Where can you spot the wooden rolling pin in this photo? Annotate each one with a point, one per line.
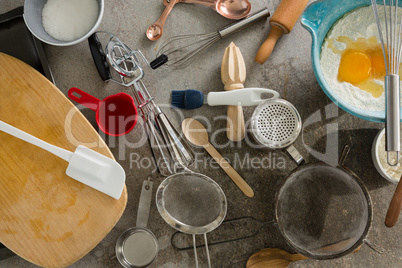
(395, 206)
(233, 74)
(282, 22)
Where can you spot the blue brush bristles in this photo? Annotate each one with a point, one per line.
(187, 99)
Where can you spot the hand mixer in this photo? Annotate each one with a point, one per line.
(179, 51)
(168, 148)
(392, 50)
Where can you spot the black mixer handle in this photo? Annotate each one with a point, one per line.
(99, 57)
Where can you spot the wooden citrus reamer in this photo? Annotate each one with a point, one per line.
(233, 74)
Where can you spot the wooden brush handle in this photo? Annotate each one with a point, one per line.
(395, 206)
(282, 22)
(236, 178)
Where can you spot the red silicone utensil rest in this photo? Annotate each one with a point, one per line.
(116, 115)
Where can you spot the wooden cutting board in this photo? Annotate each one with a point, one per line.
(46, 217)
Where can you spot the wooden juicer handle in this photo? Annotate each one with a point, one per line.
(233, 74)
(282, 22)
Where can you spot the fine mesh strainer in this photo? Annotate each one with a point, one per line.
(324, 212)
(191, 203)
(276, 124)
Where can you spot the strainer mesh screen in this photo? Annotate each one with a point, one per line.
(322, 210)
(193, 200)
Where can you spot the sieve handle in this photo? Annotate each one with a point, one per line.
(145, 203)
(237, 179)
(295, 155)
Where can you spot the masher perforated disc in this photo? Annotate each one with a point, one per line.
(191, 203)
(276, 123)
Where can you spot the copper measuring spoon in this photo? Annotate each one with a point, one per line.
(231, 9)
(155, 31)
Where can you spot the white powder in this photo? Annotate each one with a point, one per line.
(394, 171)
(69, 20)
(356, 24)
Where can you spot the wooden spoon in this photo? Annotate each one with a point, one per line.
(273, 257)
(196, 133)
(278, 258)
(395, 206)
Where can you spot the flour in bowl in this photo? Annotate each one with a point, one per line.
(352, 61)
(69, 20)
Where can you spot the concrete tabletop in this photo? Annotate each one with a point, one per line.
(326, 128)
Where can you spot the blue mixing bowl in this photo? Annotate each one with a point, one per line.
(318, 19)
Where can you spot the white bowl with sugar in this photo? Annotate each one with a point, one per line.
(379, 156)
(61, 22)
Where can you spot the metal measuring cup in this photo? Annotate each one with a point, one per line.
(138, 247)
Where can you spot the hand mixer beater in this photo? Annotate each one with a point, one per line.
(169, 149)
(392, 57)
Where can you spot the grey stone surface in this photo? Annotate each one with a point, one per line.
(288, 70)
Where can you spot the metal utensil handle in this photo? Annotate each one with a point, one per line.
(344, 154)
(178, 147)
(222, 226)
(295, 155)
(206, 249)
(244, 22)
(144, 204)
(373, 246)
(392, 124)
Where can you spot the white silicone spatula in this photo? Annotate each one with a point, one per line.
(85, 165)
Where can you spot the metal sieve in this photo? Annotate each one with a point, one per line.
(192, 203)
(324, 212)
(276, 124)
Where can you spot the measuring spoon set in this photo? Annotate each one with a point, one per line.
(236, 9)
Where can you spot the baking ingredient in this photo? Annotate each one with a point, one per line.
(361, 62)
(394, 171)
(69, 20)
(352, 60)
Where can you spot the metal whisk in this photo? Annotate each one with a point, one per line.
(179, 51)
(168, 148)
(391, 43)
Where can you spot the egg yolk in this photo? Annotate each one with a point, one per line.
(355, 67)
(362, 62)
(378, 65)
